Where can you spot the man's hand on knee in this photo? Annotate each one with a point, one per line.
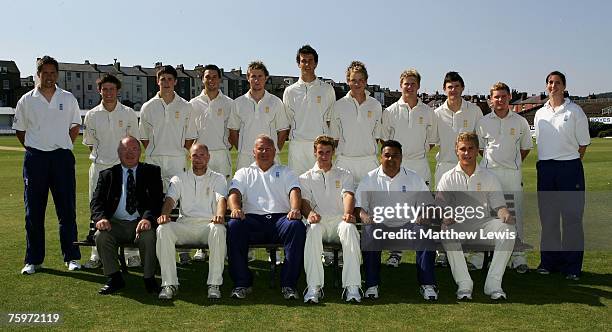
(143, 225)
(163, 219)
(103, 225)
(237, 214)
(218, 220)
(349, 218)
(313, 217)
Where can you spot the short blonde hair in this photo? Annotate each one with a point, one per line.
(499, 86)
(325, 140)
(356, 67)
(467, 137)
(410, 73)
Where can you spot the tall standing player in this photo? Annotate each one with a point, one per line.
(562, 137)
(453, 117)
(410, 122)
(47, 121)
(308, 103)
(167, 130)
(505, 141)
(212, 110)
(105, 125)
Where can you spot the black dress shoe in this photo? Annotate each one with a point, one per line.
(112, 285)
(152, 285)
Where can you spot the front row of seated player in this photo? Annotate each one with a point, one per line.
(267, 202)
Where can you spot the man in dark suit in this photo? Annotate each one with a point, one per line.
(125, 207)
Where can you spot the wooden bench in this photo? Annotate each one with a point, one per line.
(272, 248)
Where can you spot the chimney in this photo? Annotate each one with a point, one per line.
(158, 64)
(117, 65)
(87, 62)
(180, 67)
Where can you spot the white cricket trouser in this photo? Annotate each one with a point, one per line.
(358, 166)
(511, 182)
(441, 168)
(501, 255)
(332, 229)
(170, 166)
(419, 166)
(246, 159)
(220, 162)
(94, 173)
(301, 156)
(194, 231)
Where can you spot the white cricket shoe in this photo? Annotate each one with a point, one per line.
(30, 269)
(352, 293)
(371, 292)
(429, 292)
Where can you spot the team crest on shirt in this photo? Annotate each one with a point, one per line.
(465, 123)
(219, 112)
(369, 114)
(512, 131)
(61, 107)
(337, 184)
(277, 174)
(403, 188)
(420, 120)
(177, 115)
(478, 186)
(318, 99)
(267, 109)
(120, 123)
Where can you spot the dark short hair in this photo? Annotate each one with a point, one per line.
(452, 76)
(108, 78)
(307, 49)
(558, 73)
(391, 144)
(167, 69)
(211, 67)
(46, 60)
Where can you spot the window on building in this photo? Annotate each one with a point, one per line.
(78, 75)
(88, 75)
(78, 87)
(137, 89)
(89, 87)
(5, 84)
(138, 78)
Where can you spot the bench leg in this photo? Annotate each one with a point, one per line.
(488, 256)
(122, 260)
(336, 266)
(272, 267)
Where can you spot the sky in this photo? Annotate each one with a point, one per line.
(517, 42)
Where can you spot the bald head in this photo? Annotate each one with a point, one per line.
(198, 146)
(264, 151)
(129, 151)
(198, 153)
